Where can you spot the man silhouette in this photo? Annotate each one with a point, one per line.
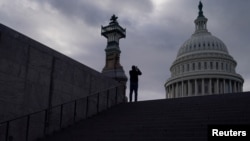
(134, 82)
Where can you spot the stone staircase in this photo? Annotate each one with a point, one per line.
(169, 119)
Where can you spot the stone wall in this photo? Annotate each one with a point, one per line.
(35, 77)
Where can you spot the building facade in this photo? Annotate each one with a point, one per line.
(203, 66)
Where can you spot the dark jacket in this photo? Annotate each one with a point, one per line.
(134, 75)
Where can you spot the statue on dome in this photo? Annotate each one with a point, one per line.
(200, 10)
(200, 6)
(113, 19)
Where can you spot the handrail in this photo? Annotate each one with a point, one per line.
(61, 104)
(46, 120)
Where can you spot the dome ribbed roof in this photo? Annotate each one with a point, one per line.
(202, 42)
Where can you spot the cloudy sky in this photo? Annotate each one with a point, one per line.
(155, 31)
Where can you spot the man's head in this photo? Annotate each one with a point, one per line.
(133, 67)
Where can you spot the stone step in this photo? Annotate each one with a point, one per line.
(169, 119)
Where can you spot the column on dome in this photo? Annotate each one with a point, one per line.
(174, 90)
(195, 87)
(230, 86)
(189, 88)
(173, 86)
(238, 90)
(167, 90)
(170, 91)
(192, 82)
(177, 90)
(182, 87)
(241, 87)
(235, 87)
(180, 90)
(224, 86)
(210, 86)
(220, 86)
(202, 87)
(230, 82)
(217, 86)
(186, 88)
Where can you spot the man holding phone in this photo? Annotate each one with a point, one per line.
(134, 82)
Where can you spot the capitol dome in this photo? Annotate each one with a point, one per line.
(202, 42)
(203, 66)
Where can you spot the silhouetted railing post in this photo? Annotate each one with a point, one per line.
(116, 95)
(124, 93)
(75, 111)
(98, 102)
(61, 115)
(46, 122)
(107, 99)
(87, 106)
(7, 131)
(27, 127)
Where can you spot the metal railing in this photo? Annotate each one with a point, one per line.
(38, 124)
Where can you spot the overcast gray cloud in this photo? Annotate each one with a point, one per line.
(95, 12)
(155, 31)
